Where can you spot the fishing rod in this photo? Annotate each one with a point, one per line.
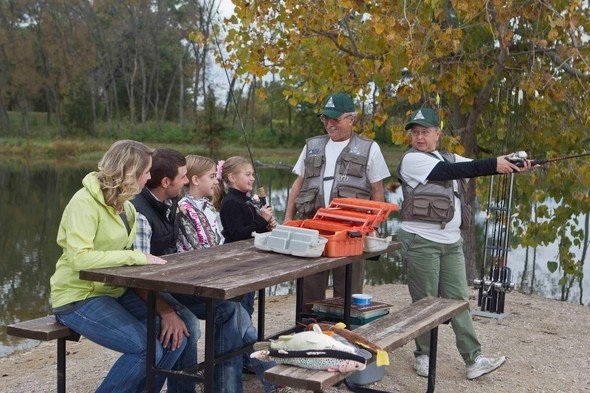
(261, 192)
(520, 156)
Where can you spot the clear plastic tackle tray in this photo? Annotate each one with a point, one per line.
(284, 239)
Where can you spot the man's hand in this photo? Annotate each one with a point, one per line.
(172, 329)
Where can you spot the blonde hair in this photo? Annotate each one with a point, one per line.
(119, 169)
(198, 165)
(232, 165)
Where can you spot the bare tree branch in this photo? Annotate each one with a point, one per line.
(562, 64)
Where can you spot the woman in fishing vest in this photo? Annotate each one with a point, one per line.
(433, 212)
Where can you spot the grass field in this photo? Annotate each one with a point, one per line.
(44, 143)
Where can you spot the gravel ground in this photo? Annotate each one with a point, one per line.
(547, 344)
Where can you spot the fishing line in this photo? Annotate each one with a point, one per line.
(261, 192)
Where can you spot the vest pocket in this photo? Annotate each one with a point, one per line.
(352, 165)
(436, 208)
(306, 201)
(345, 191)
(313, 166)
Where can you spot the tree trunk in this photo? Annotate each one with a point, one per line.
(181, 91)
(143, 90)
(24, 108)
(469, 142)
(168, 94)
(4, 122)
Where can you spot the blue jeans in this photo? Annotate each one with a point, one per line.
(250, 336)
(248, 302)
(227, 377)
(121, 325)
(188, 359)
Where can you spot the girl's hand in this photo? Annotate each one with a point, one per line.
(154, 260)
(272, 223)
(266, 212)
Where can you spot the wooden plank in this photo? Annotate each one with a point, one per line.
(220, 272)
(44, 329)
(398, 328)
(303, 378)
(389, 332)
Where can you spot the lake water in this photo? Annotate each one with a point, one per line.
(32, 198)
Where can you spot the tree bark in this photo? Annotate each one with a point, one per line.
(181, 91)
(4, 122)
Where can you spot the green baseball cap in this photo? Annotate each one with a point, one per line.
(337, 104)
(426, 117)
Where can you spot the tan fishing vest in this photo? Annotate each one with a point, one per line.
(350, 174)
(435, 200)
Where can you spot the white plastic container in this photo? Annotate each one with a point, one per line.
(361, 299)
(295, 241)
(374, 244)
(370, 374)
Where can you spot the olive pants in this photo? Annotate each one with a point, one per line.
(438, 270)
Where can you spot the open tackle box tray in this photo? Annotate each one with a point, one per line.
(346, 223)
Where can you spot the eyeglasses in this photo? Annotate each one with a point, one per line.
(326, 119)
(424, 132)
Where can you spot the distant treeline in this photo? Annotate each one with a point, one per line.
(128, 69)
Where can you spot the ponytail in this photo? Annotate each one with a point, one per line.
(218, 195)
(224, 169)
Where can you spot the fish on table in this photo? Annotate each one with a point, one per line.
(315, 359)
(312, 349)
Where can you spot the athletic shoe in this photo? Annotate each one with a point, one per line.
(483, 365)
(421, 365)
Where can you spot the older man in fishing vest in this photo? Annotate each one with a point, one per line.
(433, 211)
(337, 164)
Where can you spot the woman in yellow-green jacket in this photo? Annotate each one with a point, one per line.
(97, 230)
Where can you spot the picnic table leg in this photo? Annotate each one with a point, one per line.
(432, 359)
(261, 313)
(151, 344)
(299, 301)
(61, 365)
(209, 345)
(347, 294)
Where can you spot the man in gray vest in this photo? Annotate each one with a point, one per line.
(339, 164)
(433, 213)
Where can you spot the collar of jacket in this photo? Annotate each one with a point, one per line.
(158, 206)
(238, 193)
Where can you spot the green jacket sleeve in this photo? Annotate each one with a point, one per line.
(93, 237)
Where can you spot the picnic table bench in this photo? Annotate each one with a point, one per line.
(389, 332)
(47, 329)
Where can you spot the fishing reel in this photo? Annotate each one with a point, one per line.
(505, 287)
(518, 157)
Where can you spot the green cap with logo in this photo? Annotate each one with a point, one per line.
(425, 117)
(337, 104)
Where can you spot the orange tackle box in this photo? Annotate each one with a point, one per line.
(346, 222)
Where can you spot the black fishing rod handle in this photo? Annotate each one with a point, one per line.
(520, 163)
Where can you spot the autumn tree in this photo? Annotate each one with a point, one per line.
(485, 59)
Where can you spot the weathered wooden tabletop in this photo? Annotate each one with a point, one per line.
(221, 272)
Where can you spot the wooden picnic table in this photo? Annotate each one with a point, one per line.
(222, 273)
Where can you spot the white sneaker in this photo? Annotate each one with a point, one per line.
(421, 365)
(483, 365)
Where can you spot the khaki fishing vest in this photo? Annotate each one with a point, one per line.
(350, 174)
(435, 200)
